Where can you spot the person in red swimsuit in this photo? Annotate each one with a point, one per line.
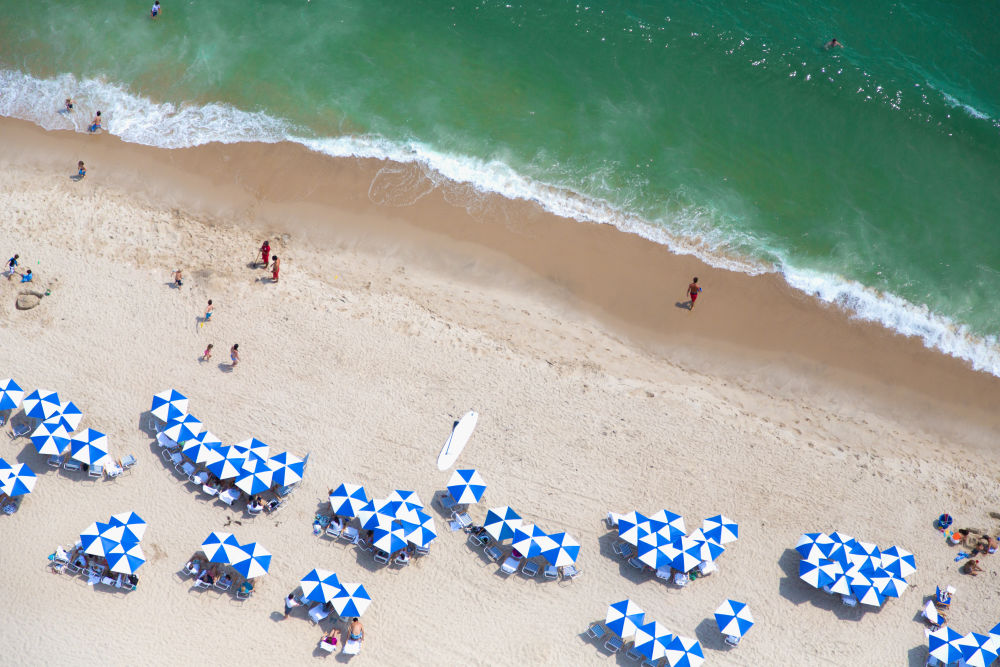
(275, 268)
(265, 252)
(693, 290)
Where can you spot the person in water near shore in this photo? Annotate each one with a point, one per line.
(693, 290)
(833, 43)
(155, 10)
(95, 124)
(68, 105)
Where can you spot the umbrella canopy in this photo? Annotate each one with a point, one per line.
(251, 560)
(466, 486)
(623, 618)
(169, 405)
(221, 547)
(183, 428)
(229, 464)
(11, 394)
(814, 545)
(255, 447)
(501, 522)
(133, 524)
(667, 520)
(709, 549)
(841, 548)
(819, 573)
(389, 540)
(201, 452)
(288, 468)
(418, 527)
(689, 557)
(348, 499)
(351, 600)
(656, 550)
(866, 592)
(945, 644)
(979, 650)
(409, 499)
(70, 415)
(562, 551)
(378, 513)
(41, 404)
(865, 555)
(652, 639)
(899, 562)
(632, 526)
(527, 540)
(50, 438)
(90, 447)
(17, 480)
(125, 557)
(684, 652)
(320, 585)
(887, 584)
(256, 477)
(99, 538)
(733, 618)
(720, 529)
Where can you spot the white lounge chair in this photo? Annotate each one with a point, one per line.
(334, 530)
(381, 557)
(229, 496)
(510, 565)
(849, 600)
(352, 647)
(551, 572)
(462, 519)
(210, 490)
(128, 461)
(327, 646)
(223, 587)
(72, 465)
(681, 579)
(493, 553)
(570, 572)
(612, 520)
(664, 573)
(187, 469)
(317, 613)
(732, 640)
(707, 567)
(56, 461)
(96, 471)
(166, 442)
(349, 534)
(201, 584)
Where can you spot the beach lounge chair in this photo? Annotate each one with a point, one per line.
(664, 573)
(11, 507)
(56, 461)
(707, 567)
(849, 600)
(732, 640)
(328, 646)
(421, 551)
(447, 503)
(942, 598)
(611, 520)
(596, 631)
(933, 662)
(19, 429)
(112, 470)
(636, 563)
(96, 570)
(229, 496)
(154, 424)
(334, 530)
(187, 469)
(530, 568)
(551, 572)
(349, 534)
(210, 490)
(570, 572)
(402, 559)
(649, 663)
(223, 587)
(479, 541)
(613, 645)
(166, 442)
(381, 557)
(318, 612)
(633, 655)
(3, 420)
(96, 471)
(352, 647)
(462, 519)
(174, 458)
(623, 549)
(72, 465)
(201, 584)
(128, 462)
(509, 566)
(493, 553)
(681, 579)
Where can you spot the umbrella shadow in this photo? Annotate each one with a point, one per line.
(709, 636)
(606, 543)
(799, 592)
(917, 656)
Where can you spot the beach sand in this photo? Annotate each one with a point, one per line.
(404, 303)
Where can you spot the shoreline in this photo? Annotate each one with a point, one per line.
(755, 327)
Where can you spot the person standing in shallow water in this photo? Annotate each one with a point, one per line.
(693, 290)
(155, 10)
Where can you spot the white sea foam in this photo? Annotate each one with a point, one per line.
(689, 230)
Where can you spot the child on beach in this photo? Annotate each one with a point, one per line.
(81, 170)
(208, 311)
(265, 252)
(95, 124)
(11, 266)
(275, 268)
(234, 354)
(693, 291)
(26, 277)
(208, 352)
(178, 278)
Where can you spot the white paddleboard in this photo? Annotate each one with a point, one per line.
(456, 441)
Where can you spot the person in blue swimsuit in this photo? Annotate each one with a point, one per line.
(356, 631)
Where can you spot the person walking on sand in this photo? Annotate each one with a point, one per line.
(81, 170)
(234, 354)
(95, 124)
(208, 352)
(11, 266)
(275, 268)
(208, 312)
(178, 279)
(693, 290)
(265, 252)
(155, 10)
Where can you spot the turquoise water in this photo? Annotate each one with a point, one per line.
(867, 174)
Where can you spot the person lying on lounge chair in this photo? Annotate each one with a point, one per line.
(356, 631)
(194, 566)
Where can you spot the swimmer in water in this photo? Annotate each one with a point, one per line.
(833, 43)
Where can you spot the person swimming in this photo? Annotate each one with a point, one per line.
(832, 44)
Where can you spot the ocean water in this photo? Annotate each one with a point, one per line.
(869, 175)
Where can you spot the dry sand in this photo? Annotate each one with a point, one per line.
(394, 315)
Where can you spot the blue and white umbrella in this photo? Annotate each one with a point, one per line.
(995, 630)
(527, 540)
(865, 555)
(125, 558)
(655, 550)
(348, 499)
(945, 644)
(256, 477)
(320, 585)
(41, 404)
(169, 405)
(351, 601)
(50, 438)
(709, 549)
(70, 415)
(899, 562)
(652, 639)
(684, 652)
(623, 618)
(230, 463)
(562, 551)
(720, 529)
(733, 618)
(200, 450)
(90, 447)
(866, 592)
(5, 469)
(17, 480)
(288, 468)
(379, 513)
(632, 526)
(99, 538)
(134, 525)
(979, 650)
(221, 547)
(255, 447)
(251, 560)
(389, 540)
(466, 486)
(819, 573)
(841, 548)
(672, 523)
(689, 556)
(886, 583)
(183, 428)
(409, 499)
(813, 546)
(11, 394)
(418, 527)
(841, 583)
(501, 522)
